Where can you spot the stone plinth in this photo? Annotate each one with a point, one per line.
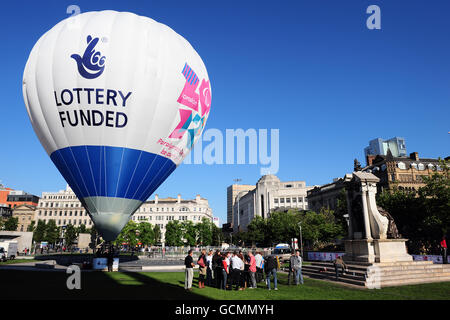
(376, 251)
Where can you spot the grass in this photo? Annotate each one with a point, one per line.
(170, 286)
(17, 261)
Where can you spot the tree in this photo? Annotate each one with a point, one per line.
(436, 199)
(190, 233)
(31, 226)
(11, 224)
(82, 229)
(157, 234)
(217, 236)
(128, 235)
(174, 233)
(204, 232)
(146, 234)
(422, 217)
(318, 229)
(2, 223)
(39, 231)
(321, 228)
(95, 240)
(52, 232)
(282, 226)
(70, 235)
(256, 231)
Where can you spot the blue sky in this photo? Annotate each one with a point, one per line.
(308, 68)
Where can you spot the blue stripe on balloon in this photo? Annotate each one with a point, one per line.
(112, 171)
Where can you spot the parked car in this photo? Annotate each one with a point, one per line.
(8, 250)
(282, 251)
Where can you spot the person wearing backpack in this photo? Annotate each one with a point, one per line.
(202, 269)
(271, 266)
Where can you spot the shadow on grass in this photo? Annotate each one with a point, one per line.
(40, 285)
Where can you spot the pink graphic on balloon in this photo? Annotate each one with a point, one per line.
(205, 97)
(183, 125)
(188, 96)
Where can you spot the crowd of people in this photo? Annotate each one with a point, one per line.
(239, 271)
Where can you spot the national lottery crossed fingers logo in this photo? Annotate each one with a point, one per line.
(92, 63)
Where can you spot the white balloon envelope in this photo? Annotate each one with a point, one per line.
(117, 100)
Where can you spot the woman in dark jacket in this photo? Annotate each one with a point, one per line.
(217, 268)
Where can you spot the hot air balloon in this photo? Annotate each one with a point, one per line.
(117, 101)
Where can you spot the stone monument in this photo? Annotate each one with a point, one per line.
(373, 236)
(375, 252)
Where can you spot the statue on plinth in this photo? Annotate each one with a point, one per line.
(373, 234)
(392, 231)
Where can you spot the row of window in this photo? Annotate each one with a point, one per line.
(60, 197)
(420, 166)
(56, 204)
(166, 209)
(292, 186)
(288, 200)
(167, 218)
(50, 213)
(75, 222)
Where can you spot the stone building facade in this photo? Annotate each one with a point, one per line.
(25, 216)
(162, 210)
(326, 196)
(269, 194)
(404, 173)
(65, 208)
(233, 192)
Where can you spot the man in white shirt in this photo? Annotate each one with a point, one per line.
(236, 265)
(259, 267)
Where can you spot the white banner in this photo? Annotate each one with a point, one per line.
(324, 256)
(429, 257)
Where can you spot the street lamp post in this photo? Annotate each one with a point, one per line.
(301, 240)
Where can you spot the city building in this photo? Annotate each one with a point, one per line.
(18, 197)
(25, 215)
(232, 192)
(4, 192)
(269, 194)
(63, 207)
(13, 198)
(327, 195)
(404, 173)
(162, 210)
(379, 146)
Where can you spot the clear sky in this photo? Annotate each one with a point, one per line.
(311, 69)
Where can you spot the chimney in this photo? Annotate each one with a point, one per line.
(156, 199)
(197, 198)
(179, 198)
(414, 156)
(370, 158)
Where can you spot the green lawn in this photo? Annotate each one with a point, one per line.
(17, 261)
(169, 285)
